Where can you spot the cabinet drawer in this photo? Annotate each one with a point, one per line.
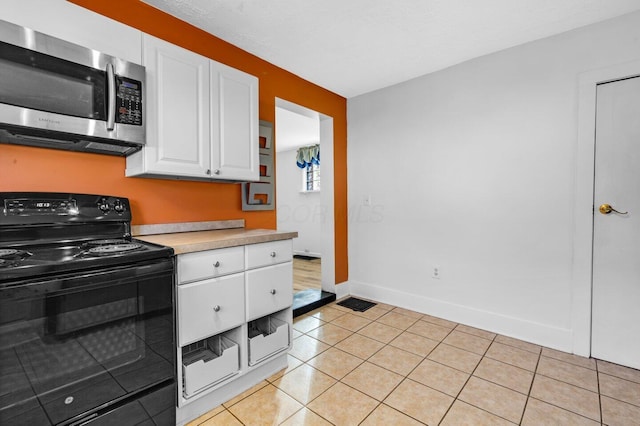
(209, 264)
(270, 253)
(269, 289)
(267, 336)
(209, 307)
(216, 359)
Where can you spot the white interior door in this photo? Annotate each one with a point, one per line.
(615, 327)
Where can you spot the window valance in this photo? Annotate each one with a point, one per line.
(308, 155)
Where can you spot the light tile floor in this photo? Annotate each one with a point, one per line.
(391, 366)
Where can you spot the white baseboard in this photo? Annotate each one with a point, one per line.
(534, 332)
(342, 290)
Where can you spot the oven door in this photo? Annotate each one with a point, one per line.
(75, 347)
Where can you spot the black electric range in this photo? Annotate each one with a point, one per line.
(52, 233)
(86, 314)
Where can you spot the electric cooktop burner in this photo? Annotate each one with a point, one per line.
(107, 249)
(12, 257)
(7, 252)
(13, 254)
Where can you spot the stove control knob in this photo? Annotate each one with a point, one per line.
(118, 206)
(103, 205)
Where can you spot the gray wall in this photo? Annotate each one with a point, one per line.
(471, 169)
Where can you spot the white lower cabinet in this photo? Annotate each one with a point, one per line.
(233, 330)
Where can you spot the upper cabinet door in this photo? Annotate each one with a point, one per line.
(234, 124)
(177, 99)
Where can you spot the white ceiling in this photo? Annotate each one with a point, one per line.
(353, 47)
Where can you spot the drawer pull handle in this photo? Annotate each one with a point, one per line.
(273, 254)
(273, 291)
(217, 264)
(216, 308)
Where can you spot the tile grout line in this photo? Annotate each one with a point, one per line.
(404, 377)
(615, 397)
(570, 410)
(234, 416)
(457, 397)
(570, 383)
(367, 360)
(533, 379)
(599, 394)
(340, 380)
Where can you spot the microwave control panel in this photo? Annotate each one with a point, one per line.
(129, 101)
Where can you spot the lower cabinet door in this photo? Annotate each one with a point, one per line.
(269, 289)
(209, 307)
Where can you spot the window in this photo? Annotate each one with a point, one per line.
(311, 178)
(308, 159)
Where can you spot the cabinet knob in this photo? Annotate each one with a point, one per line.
(272, 254)
(216, 308)
(217, 264)
(216, 172)
(273, 291)
(208, 171)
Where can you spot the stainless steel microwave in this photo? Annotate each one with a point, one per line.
(57, 94)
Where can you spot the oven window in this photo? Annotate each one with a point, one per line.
(72, 344)
(37, 81)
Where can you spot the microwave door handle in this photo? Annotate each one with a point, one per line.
(111, 98)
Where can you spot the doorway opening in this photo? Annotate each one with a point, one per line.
(304, 200)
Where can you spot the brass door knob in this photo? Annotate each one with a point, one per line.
(606, 209)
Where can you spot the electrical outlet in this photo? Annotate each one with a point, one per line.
(436, 273)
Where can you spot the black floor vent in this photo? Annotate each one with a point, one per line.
(356, 304)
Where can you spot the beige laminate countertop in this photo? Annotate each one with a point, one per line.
(187, 242)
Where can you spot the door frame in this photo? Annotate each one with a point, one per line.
(327, 267)
(584, 178)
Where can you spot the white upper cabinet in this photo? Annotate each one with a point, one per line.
(234, 124)
(177, 114)
(202, 118)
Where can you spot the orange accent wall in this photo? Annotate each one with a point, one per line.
(163, 201)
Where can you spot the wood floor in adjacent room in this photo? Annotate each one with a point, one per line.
(306, 274)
